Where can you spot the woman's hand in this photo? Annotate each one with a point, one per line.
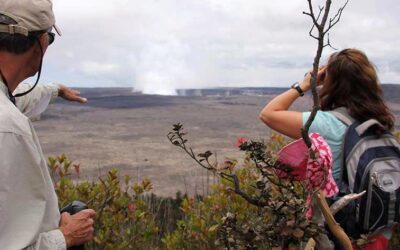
(276, 113)
(321, 75)
(306, 83)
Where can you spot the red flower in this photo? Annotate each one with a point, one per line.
(240, 141)
(131, 207)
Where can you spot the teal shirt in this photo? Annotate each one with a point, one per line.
(333, 132)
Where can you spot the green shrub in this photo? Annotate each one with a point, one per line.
(224, 220)
(204, 216)
(129, 216)
(123, 219)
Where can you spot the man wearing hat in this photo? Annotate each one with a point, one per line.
(29, 213)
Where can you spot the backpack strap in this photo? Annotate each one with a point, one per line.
(360, 129)
(342, 115)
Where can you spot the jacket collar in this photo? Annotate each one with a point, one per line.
(3, 88)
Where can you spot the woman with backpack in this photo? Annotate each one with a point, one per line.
(347, 84)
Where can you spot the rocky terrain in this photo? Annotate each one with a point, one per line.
(121, 129)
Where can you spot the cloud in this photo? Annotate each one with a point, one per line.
(95, 68)
(159, 45)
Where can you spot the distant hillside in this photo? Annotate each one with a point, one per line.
(251, 91)
(391, 92)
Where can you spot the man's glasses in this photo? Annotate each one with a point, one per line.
(52, 37)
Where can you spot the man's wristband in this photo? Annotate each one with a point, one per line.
(296, 86)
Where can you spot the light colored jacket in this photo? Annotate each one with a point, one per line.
(34, 103)
(29, 213)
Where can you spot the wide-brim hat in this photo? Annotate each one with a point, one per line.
(25, 16)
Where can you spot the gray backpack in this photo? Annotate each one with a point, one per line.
(372, 163)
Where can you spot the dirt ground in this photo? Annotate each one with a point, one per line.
(120, 129)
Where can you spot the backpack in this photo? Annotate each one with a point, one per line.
(370, 162)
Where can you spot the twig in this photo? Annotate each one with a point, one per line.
(321, 45)
(333, 21)
(332, 224)
(328, 44)
(311, 14)
(310, 244)
(313, 26)
(238, 191)
(189, 151)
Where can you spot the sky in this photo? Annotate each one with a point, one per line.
(157, 46)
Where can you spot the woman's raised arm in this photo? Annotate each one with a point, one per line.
(277, 116)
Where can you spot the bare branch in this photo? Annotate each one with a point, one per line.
(313, 26)
(176, 138)
(328, 44)
(332, 224)
(316, 106)
(338, 205)
(310, 33)
(238, 191)
(311, 14)
(320, 11)
(321, 45)
(334, 20)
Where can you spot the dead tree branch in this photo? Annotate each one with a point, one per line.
(322, 31)
(238, 191)
(328, 44)
(315, 20)
(334, 20)
(332, 224)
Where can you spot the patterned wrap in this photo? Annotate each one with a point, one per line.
(319, 165)
(312, 166)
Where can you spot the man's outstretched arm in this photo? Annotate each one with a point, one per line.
(36, 102)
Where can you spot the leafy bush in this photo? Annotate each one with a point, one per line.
(224, 220)
(274, 214)
(123, 219)
(204, 216)
(130, 217)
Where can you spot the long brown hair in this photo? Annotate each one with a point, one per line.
(351, 81)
